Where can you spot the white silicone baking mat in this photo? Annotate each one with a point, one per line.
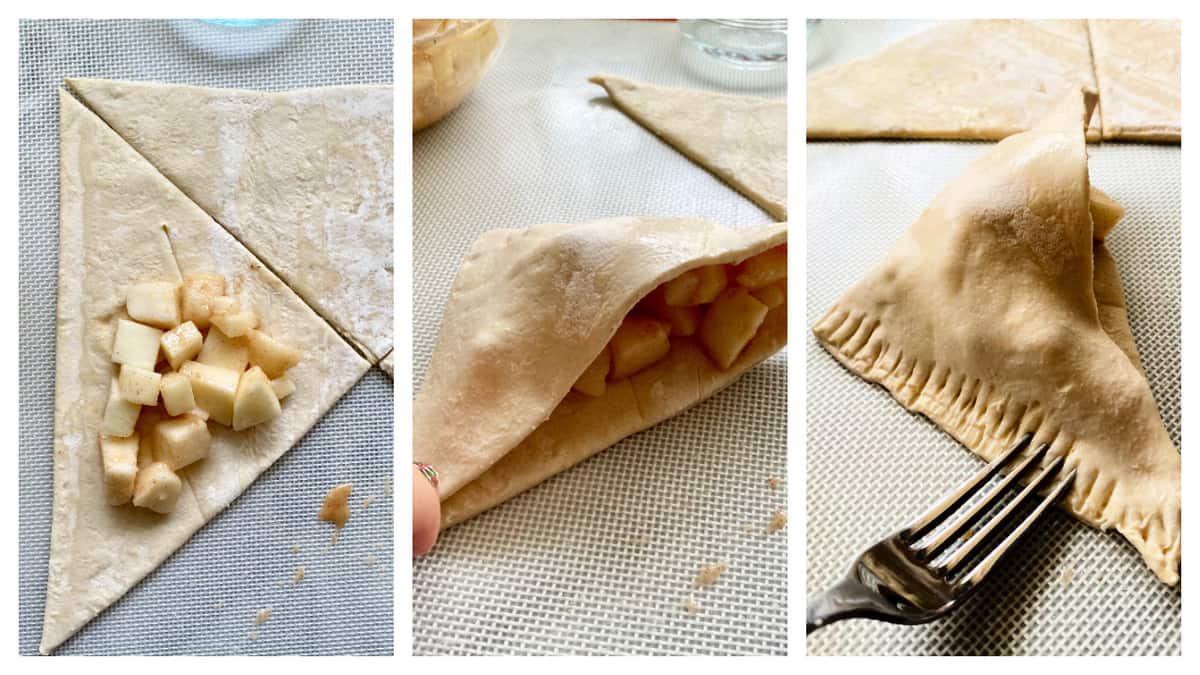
(203, 600)
(872, 466)
(601, 558)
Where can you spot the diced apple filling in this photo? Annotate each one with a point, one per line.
(181, 343)
(119, 459)
(136, 344)
(197, 296)
(155, 303)
(157, 488)
(235, 325)
(176, 390)
(591, 382)
(730, 324)
(223, 351)
(215, 389)
(139, 385)
(638, 343)
(256, 401)
(268, 353)
(283, 387)
(722, 307)
(120, 416)
(179, 441)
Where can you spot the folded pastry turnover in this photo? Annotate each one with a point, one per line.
(1000, 312)
(560, 340)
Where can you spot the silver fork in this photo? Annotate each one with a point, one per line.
(896, 580)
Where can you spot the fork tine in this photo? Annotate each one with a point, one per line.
(1005, 515)
(981, 570)
(951, 533)
(921, 526)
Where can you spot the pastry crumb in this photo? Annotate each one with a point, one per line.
(336, 509)
(690, 607)
(299, 575)
(366, 503)
(710, 574)
(387, 487)
(747, 527)
(220, 604)
(1068, 574)
(643, 540)
(295, 548)
(262, 616)
(369, 559)
(778, 521)
(253, 635)
(774, 482)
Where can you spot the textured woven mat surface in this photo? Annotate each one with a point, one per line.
(872, 466)
(601, 558)
(203, 600)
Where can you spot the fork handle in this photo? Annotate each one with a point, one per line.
(847, 599)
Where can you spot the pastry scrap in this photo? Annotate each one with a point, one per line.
(449, 58)
(741, 139)
(124, 227)
(981, 80)
(1137, 71)
(560, 340)
(710, 574)
(301, 178)
(336, 506)
(1000, 313)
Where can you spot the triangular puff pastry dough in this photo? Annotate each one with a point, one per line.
(998, 313)
(121, 222)
(1137, 70)
(301, 178)
(958, 80)
(741, 139)
(529, 311)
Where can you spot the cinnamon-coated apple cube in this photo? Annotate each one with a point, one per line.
(157, 488)
(214, 388)
(730, 324)
(256, 401)
(772, 296)
(181, 343)
(120, 416)
(139, 385)
(177, 396)
(136, 344)
(591, 382)
(683, 320)
(220, 350)
(119, 459)
(197, 296)
(638, 343)
(760, 270)
(283, 387)
(179, 441)
(154, 302)
(237, 324)
(273, 356)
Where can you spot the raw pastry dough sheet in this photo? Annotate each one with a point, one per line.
(600, 558)
(872, 466)
(203, 599)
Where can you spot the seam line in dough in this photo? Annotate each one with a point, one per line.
(1087, 23)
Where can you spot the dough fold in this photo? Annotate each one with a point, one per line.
(1000, 313)
(529, 311)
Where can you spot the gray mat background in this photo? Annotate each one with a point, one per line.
(872, 466)
(204, 598)
(600, 558)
